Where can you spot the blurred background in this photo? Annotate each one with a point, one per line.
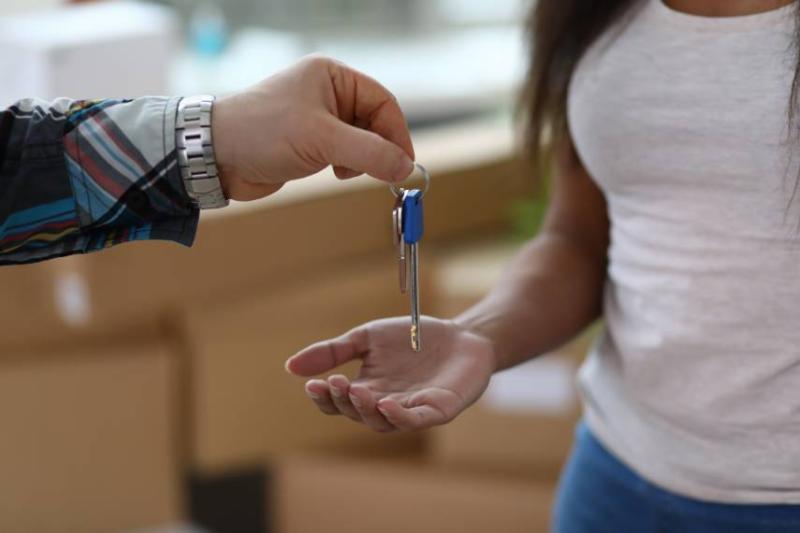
(142, 388)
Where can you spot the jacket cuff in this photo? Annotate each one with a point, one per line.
(123, 170)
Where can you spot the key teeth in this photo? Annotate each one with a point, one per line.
(416, 343)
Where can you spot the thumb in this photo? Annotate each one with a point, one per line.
(327, 355)
(367, 152)
(411, 418)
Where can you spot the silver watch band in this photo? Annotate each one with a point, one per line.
(196, 152)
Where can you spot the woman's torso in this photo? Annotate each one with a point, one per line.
(682, 121)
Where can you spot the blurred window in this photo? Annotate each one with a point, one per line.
(360, 15)
(443, 58)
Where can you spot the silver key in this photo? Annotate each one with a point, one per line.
(416, 332)
(412, 232)
(408, 222)
(399, 241)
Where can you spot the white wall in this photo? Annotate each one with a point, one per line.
(20, 6)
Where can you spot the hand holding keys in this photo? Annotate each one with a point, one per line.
(408, 223)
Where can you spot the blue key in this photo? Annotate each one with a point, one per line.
(413, 228)
(413, 223)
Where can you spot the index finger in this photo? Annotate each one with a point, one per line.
(362, 101)
(327, 355)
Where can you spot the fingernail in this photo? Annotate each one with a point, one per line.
(336, 393)
(313, 395)
(356, 401)
(405, 168)
(286, 366)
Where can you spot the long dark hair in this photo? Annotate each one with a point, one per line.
(560, 33)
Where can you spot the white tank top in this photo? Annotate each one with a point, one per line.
(682, 121)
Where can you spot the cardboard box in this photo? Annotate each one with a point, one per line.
(524, 422)
(46, 306)
(465, 273)
(89, 441)
(246, 408)
(349, 495)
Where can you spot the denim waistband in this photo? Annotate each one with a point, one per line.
(763, 514)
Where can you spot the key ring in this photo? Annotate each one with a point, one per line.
(398, 191)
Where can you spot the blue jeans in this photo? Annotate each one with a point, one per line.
(599, 494)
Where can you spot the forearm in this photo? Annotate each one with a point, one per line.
(79, 176)
(550, 293)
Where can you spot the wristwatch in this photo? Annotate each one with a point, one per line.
(196, 152)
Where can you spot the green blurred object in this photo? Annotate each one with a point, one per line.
(526, 215)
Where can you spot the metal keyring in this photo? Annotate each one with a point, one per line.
(398, 191)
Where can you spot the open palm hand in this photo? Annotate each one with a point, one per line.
(397, 388)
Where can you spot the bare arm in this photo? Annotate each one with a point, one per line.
(553, 289)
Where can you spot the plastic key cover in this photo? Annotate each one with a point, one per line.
(413, 225)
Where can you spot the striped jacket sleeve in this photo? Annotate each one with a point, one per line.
(81, 176)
